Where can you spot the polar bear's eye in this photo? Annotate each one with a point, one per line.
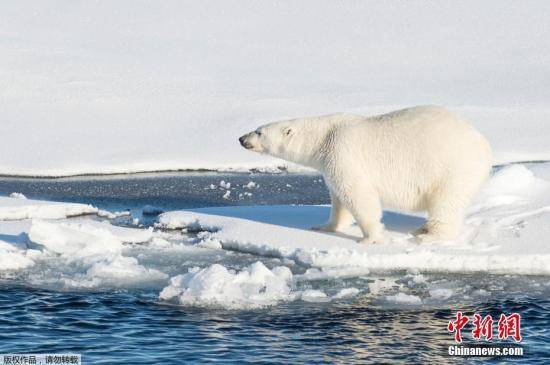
(287, 131)
(259, 133)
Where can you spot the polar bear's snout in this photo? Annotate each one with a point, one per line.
(247, 141)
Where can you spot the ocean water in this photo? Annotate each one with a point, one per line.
(131, 325)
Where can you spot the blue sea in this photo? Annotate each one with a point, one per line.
(131, 326)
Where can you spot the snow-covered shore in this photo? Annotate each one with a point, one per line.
(118, 87)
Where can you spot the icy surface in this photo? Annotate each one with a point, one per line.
(402, 298)
(70, 253)
(346, 293)
(312, 295)
(17, 208)
(124, 86)
(257, 256)
(506, 231)
(254, 286)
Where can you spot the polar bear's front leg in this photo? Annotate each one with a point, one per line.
(364, 203)
(340, 216)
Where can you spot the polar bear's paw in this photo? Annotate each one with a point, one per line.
(420, 231)
(431, 233)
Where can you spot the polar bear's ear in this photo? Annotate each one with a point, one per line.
(287, 131)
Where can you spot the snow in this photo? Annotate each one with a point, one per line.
(311, 295)
(114, 87)
(17, 196)
(404, 299)
(253, 287)
(332, 273)
(15, 208)
(70, 253)
(346, 293)
(250, 185)
(441, 294)
(381, 286)
(505, 231)
(97, 248)
(13, 253)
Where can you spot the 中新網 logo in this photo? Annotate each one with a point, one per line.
(508, 326)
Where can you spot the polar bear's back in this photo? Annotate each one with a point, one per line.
(413, 152)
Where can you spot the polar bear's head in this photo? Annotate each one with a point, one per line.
(297, 140)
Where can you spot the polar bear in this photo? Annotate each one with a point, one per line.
(419, 158)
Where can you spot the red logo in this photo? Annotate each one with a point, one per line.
(484, 327)
(508, 326)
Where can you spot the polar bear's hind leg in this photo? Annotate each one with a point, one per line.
(446, 212)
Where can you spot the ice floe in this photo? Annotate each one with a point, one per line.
(402, 298)
(313, 295)
(252, 287)
(70, 253)
(16, 208)
(506, 231)
(346, 293)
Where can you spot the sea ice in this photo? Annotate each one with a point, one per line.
(505, 231)
(252, 287)
(346, 293)
(311, 295)
(17, 209)
(441, 294)
(402, 298)
(17, 196)
(250, 185)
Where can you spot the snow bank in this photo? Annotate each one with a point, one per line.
(99, 88)
(506, 231)
(254, 286)
(16, 208)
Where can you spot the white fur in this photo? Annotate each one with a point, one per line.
(421, 158)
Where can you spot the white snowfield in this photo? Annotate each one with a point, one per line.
(506, 231)
(115, 87)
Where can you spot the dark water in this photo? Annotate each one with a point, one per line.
(172, 191)
(133, 327)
